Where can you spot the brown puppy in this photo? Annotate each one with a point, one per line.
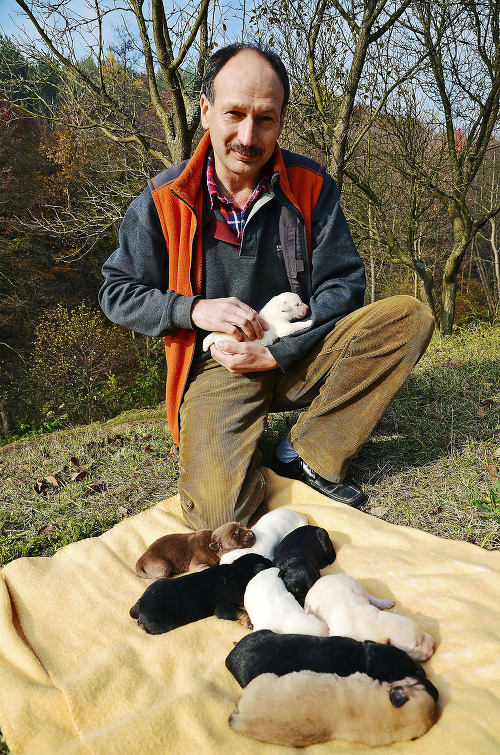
(304, 708)
(192, 551)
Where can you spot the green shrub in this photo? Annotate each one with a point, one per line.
(84, 369)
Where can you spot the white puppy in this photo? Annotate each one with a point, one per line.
(271, 606)
(350, 611)
(269, 532)
(278, 313)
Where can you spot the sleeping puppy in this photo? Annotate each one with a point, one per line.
(269, 532)
(271, 606)
(192, 551)
(266, 652)
(278, 313)
(304, 708)
(300, 556)
(218, 590)
(349, 610)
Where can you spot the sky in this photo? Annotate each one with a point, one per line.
(11, 18)
(8, 8)
(13, 21)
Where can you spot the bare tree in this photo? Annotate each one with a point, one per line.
(460, 91)
(327, 45)
(172, 47)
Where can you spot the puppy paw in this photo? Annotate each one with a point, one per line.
(244, 619)
(386, 604)
(381, 603)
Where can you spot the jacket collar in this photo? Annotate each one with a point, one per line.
(188, 184)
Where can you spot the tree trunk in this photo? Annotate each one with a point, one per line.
(372, 256)
(496, 256)
(6, 418)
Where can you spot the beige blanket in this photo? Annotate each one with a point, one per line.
(78, 676)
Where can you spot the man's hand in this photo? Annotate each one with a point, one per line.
(228, 316)
(243, 357)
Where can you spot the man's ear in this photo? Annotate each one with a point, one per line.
(282, 120)
(205, 109)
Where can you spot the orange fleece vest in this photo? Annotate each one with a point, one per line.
(180, 208)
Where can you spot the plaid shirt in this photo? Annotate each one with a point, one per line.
(234, 216)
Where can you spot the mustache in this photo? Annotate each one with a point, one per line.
(251, 151)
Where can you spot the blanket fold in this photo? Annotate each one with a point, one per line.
(78, 676)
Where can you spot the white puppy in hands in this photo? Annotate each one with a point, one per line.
(269, 532)
(271, 606)
(278, 313)
(350, 611)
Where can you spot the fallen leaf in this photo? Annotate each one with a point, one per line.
(487, 402)
(173, 454)
(148, 436)
(481, 412)
(47, 529)
(148, 448)
(96, 487)
(436, 416)
(493, 472)
(379, 511)
(74, 476)
(43, 484)
(496, 454)
(123, 510)
(74, 461)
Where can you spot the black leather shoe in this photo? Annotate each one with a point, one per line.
(345, 492)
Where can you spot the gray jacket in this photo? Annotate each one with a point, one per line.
(332, 281)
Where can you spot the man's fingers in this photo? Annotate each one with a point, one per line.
(248, 321)
(229, 347)
(229, 316)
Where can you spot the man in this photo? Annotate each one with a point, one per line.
(203, 248)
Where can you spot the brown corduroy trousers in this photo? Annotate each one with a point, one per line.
(347, 381)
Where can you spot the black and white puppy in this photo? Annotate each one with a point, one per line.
(218, 590)
(300, 556)
(265, 652)
(269, 532)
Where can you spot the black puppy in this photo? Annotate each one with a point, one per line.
(170, 603)
(265, 652)
(300, 556)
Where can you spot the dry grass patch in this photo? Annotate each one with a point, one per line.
(425, 466)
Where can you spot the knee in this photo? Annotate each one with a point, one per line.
(418, 316)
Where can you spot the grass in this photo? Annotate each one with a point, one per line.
(429, 464)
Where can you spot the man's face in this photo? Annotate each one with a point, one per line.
(245, 119)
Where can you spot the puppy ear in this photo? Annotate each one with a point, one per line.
(282, 572)
(398, 697)
(285, 307)
(388, 641)
(215, 545)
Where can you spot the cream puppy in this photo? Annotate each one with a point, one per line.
(269, 532)
(271, 606)
(350, 611)
(304, 708)
(278, 313)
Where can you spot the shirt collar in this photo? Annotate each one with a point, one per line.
(214, 192)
